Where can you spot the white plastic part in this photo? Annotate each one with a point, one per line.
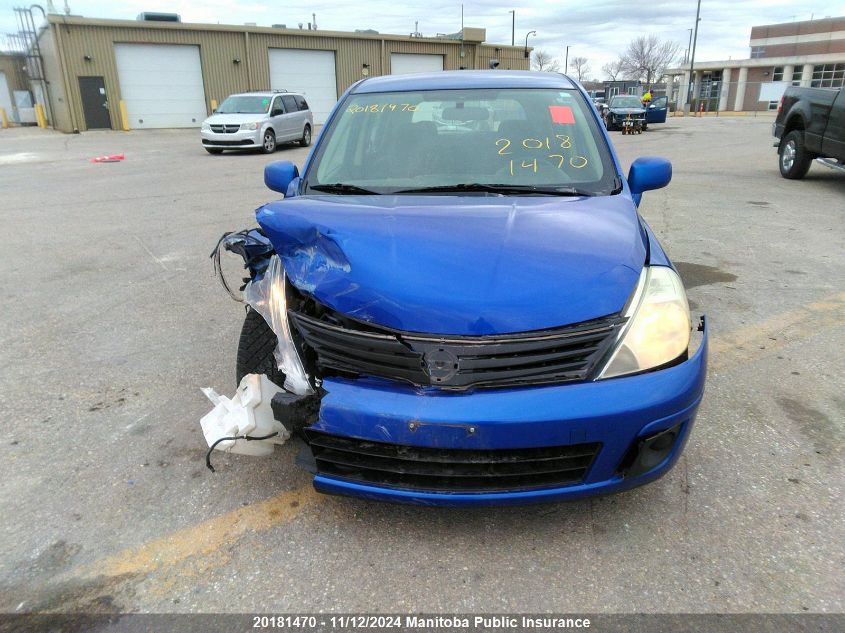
(267, 296)
(247, 413)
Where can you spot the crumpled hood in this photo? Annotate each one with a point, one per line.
(461, 265)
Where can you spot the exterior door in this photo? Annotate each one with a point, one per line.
(657, 110)
(308, 72)
(833, 143)
(277, 119)
(5, 97)
(95, 106)
(293, 118)
(405, 63)
(161, 85)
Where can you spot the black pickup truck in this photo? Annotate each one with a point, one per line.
(810, 124)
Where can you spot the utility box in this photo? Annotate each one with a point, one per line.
(474, 35)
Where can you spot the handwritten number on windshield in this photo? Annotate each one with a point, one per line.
(545, 143)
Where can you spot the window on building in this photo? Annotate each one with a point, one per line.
(828, 76)
(710, 82)
(797, 75)
(758, 51)
(777, 73)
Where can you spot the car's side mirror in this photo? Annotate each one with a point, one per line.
(279, 174)
(276, 112)
(647, 173)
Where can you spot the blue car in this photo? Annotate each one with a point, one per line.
(461, 302)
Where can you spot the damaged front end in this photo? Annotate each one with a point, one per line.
(261, 413)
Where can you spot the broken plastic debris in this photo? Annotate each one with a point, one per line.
(248, 413)
(110, 158)
(252, 246)
(267, 296)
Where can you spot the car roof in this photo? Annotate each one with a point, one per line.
(265, 93)
(457, 79)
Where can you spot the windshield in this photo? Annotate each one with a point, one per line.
(407, 142)
(626, 102)
(244, 105)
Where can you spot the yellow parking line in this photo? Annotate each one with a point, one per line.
(194, 550)
(760, 339)
(205, 539)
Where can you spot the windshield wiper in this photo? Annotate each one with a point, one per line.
(502, 189)
(344, 189)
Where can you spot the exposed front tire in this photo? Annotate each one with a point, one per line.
(255, 349)
(212, 150)
(305, 141)
(268, 143)
(793, 158)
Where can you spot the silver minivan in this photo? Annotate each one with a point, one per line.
(258, 120)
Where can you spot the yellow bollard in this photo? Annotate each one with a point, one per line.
(39, 116)
(124, 116)
(213, 105)
(4, 120)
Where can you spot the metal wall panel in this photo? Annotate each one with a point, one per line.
(236, 59)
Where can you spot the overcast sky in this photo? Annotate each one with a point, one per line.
(597, 29)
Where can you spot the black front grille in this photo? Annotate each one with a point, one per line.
(226, 128)
(458, 362)
(246, 141)
(453, 470)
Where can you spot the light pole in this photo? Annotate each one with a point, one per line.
(526, 42)
(689, 46)
(566, 62)
(513, 26)
(692, 58)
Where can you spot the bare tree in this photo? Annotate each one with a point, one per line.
(580, 66)
(647, 58)
(544, 62)
(613, 69)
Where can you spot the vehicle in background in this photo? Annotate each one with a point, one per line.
(657, 110)
(469, 315)
(624, 108)
(601, 105)
(810, 124)
(258, 120)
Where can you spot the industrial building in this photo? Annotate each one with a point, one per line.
(13, 80)
(808, 53)
(139, 74)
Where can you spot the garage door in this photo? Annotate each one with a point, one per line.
(404, 63)
(161, 84)
(311, 73)
(5, 96)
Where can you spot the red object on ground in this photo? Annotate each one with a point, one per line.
(562, 114)
(112, 158)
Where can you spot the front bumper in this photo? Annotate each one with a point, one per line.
(617, 413)
(237, 140)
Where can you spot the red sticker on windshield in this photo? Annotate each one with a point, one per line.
(562, 114)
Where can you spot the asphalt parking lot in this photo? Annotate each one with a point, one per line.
(112, 321)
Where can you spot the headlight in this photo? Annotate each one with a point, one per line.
(658, 328)
(250, 126)
(267, 296)
(206, 126)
